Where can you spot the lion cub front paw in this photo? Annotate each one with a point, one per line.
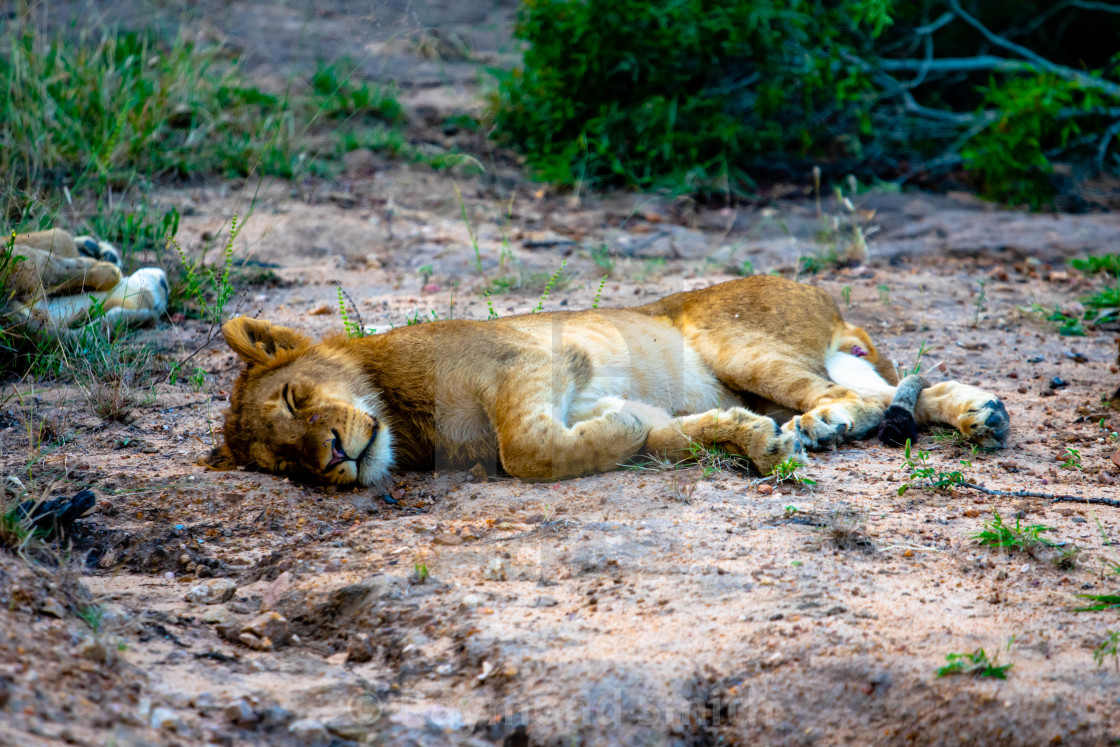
(776, 447)
(986, 423)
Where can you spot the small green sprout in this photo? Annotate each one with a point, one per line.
(977, 664)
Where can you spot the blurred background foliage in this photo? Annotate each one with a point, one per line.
(708, 97)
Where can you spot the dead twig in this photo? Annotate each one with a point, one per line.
(1056, 498)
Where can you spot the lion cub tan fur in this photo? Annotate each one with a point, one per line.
(556, 395)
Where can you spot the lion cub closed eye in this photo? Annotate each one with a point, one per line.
(557, 395)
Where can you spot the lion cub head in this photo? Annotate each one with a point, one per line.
(301, 409)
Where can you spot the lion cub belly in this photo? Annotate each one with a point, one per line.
(641, 360)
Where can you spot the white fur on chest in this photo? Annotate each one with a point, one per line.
(673, 379)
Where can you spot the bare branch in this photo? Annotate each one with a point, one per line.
(1087, 81)
(1106, 140)
(945, 19)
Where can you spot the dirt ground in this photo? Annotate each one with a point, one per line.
(654, 606)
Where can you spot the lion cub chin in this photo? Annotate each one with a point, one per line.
(557, 395)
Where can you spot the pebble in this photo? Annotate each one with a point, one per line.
(445, 538)
(242, 714)
(94, 650)
(765, 489)
(309, 731)
(359, 650)
(360, 160)
(265, 632)
(496, 569)
(165, 719)
(217, 615)
(279, 588)
(51, 606)
(471, 601)
(211, 591)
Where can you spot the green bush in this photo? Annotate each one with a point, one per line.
(680, 91)
(697, 95)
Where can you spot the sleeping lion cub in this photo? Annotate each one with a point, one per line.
(58, 280)
(556, 395)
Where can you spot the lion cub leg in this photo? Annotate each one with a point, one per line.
(543, 448)
(977, 414)
(736, 429)
(44, 272)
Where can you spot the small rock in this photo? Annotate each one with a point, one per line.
(1116, 458)
(342, 199)
(765, 489)
(204, 703)
(211, 591)
(274, 716)
(242, 714)
(165, 719)
(277, 589)
(5, 692)
(217, 615)
(471, 601)
(1106, 478)
(445, 538)
(1058, 382)
(545, 602)
(363, 160)
(51, 606)
(496, 569)
(309, 731)
(93, 649)
(431, 288)
(113, 617)
(359, 650)
(332, 566)
(321, 310)
(265, 632)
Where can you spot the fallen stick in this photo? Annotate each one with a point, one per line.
(1049, 496)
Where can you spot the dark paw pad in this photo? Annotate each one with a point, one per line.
(88, 246)
(897, 427)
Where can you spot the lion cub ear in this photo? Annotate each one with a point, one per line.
(220, 458)
(257, 341)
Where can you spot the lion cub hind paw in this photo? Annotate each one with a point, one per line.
(99, 250)
(818, 431)
(898, 427)
(987, 424)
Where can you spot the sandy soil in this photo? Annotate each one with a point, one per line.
(679, 606)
